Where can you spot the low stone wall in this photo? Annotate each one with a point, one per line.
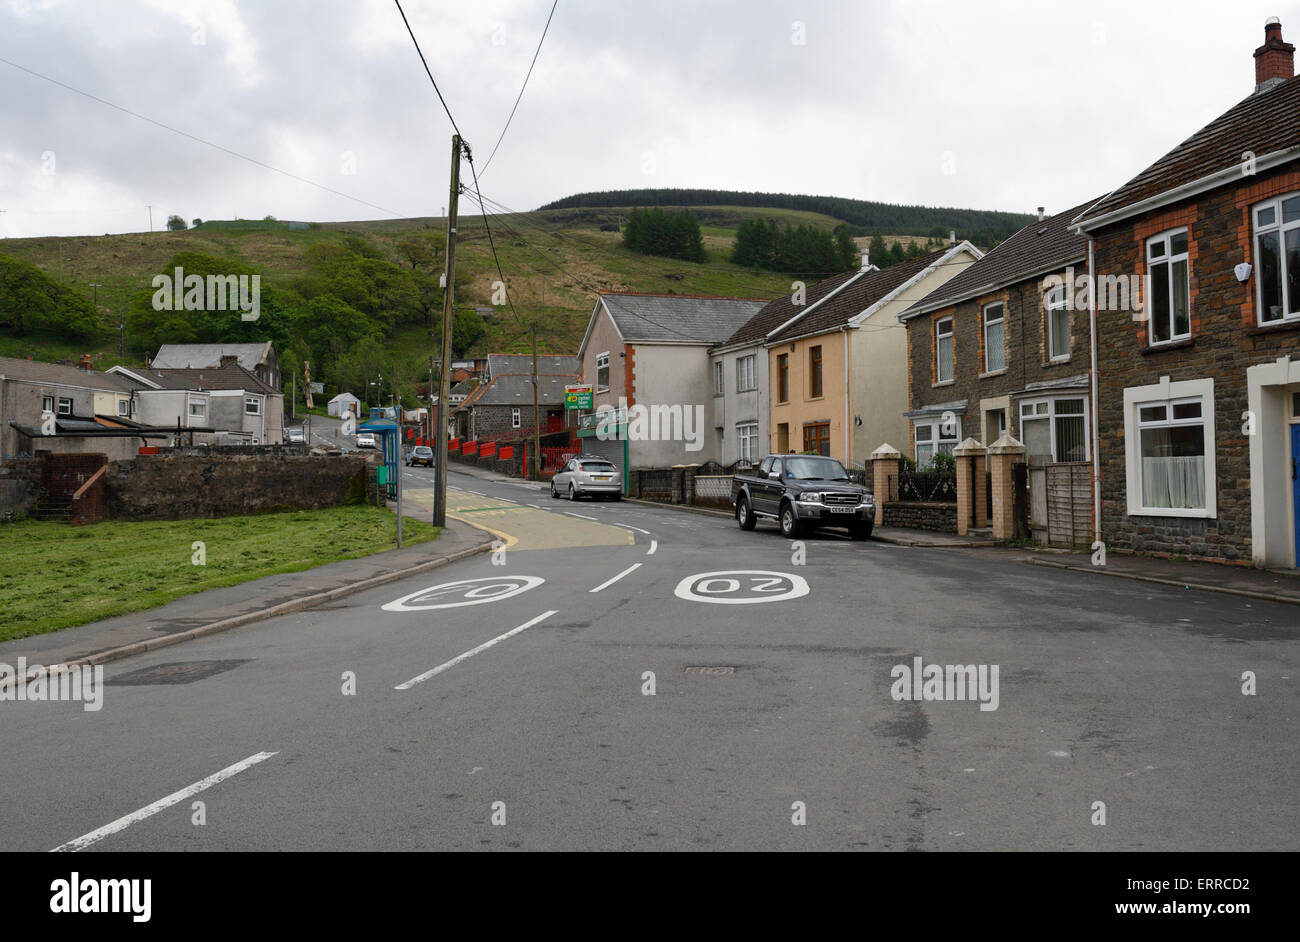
(940, 517)
(20, 485)
(219, 484)
(204, 451)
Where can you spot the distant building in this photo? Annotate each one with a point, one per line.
(344, 403)
(258, 358)
(30, 388)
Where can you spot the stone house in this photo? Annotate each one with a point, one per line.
(500, 408)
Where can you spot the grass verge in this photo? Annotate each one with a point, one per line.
(60, 575)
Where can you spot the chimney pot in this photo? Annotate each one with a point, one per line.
(952, 236)
(85, 363)
(866, 259)
(1042, 213)
(1275, 60)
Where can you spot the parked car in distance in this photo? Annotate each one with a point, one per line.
(294, 435)
(420, 454)
(803, 492)
(588, 476)
(366, 440)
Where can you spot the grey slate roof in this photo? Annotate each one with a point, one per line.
(676, 318)
(179, 356)
(514, 389)
(1036, 247)
(499, 363)
(233, 376)
(37, 371)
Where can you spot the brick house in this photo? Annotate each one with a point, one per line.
(999, 350)
(1198, 392)
(500, 408)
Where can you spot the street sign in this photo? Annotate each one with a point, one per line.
(318, 388)
(578, 397)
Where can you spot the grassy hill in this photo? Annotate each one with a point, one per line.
(554, 261)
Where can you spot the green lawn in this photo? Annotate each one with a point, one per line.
(61, 575)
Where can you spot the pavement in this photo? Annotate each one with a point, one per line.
(685, 685)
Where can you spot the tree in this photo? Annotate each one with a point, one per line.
(33, 302)
(196, 223)
(670, 235)
(877, 253)
(176, 223)
(466, 330)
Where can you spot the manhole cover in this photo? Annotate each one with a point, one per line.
(178, 672)
(709, 670)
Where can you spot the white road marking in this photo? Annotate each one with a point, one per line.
(148, 811)
(538, 506)
(654, 545)
(570, 513)
(464, 592)
(475, 493)
(609, 582)
(471, 652)
(628, 526)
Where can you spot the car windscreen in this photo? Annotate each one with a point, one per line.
(808, 469)
(600, 467)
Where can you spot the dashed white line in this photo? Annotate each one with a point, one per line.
(569, 513)
(609, 582)
(538, 506)
(148, 811)
(654, 545)
(447, 665)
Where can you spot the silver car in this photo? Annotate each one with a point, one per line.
(588, 476)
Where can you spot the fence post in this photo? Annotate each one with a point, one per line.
(970, 456)
(675, 475)
(688, 483)
(884, 465)
(1004, 453)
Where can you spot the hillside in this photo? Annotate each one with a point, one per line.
(554, 261)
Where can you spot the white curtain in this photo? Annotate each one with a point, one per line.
(1174, 482)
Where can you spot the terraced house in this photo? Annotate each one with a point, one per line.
(1002, 349)
(838, 360)
(1198, 399)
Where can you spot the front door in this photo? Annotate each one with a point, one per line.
(1295, 490)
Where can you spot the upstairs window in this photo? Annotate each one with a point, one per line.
(815, 372)
(1277, 254)
(515, 420)
(252, 405)
(47, 403)
(65, 406)
(783, 378)
(602, 370)
(746, 376)
(943, 350)
(995, 353)
(1169, 307)
(1058, 326)
(718, 388)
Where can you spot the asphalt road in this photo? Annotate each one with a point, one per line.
(1109, 691)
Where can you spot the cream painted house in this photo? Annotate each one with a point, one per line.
(838, 363)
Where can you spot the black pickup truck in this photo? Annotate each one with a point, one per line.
(803, 492)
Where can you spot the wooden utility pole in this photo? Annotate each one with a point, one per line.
(537, 418)
(444, 381)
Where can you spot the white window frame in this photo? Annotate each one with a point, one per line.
(1282, 229)
(1044, 409)
(938, 353)
(1000, 321)
(746, 373)
(202, 411)
(1169, 259)
(719, 378)
(602, 366)
(61, 402)
(516, 419)
(255, 402)
(1166, 391)
(47, 404)
(936, 440)
(747, 441)
(124, 408)
(1057, 300)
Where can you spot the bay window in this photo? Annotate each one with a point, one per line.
(1277, 257)
(1057, 428)
(1168, 308)
(934, 436)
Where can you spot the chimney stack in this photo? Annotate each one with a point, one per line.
(952, 236)
(1042, 213)
(229, 359)
(866, 259)
(85, 363)
(1275, 60)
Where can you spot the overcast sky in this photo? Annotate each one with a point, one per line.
(989, 105)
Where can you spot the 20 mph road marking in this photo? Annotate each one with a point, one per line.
(471, 652)
(148, 811)
(609, 582)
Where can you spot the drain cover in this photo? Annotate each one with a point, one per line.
(709, 670)
(178, 672)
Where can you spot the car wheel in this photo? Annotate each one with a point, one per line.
(744, 515)
(554, 493)
(573, 494)
(790, 525)
(861, 531)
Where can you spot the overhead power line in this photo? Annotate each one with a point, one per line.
(197, 139)
(488, 162)
(427, 70)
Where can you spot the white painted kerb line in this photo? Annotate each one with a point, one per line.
(148, 811)
(609, 582)
(471, 652)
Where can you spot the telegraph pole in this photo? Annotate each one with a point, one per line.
(537, 419)
(444, 380)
